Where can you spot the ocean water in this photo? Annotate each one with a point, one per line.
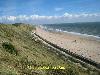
(87, 29)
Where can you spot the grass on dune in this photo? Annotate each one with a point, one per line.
(18, 51)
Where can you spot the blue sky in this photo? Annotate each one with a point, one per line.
(28, 9)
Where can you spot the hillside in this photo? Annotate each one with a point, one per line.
(18, 51)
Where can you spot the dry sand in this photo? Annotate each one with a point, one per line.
(88, 47)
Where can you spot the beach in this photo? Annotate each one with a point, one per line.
(88, 47)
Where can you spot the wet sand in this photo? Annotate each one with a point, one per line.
(88, 47)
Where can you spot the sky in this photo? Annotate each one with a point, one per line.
(49, 11)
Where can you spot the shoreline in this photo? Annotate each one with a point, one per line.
(69, 32)
(84, 46)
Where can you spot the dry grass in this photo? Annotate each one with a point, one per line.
(32, 53)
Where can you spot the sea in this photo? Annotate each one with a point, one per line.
(81, 28)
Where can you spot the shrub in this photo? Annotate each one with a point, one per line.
(9, 48)
(17, 24)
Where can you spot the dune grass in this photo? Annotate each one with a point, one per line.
(18, 51)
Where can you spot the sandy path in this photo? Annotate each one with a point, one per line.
(86, 46)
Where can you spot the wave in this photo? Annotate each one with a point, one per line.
(75, 33)
(82, 34)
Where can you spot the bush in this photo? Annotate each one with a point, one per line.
(9, 48)
(17, 24)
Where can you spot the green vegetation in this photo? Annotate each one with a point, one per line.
(9, 48)
(18, 51)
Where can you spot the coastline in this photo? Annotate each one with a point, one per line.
(86, 46)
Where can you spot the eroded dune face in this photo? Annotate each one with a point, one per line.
(88, 47)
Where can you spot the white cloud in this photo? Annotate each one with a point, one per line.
(66, 17)
(11, 18)
(58, 9)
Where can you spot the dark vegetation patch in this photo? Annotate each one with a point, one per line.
(17, 24)
(9, 48)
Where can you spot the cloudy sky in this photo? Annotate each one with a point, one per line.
(49, 11)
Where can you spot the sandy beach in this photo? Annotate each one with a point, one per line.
(88, 47)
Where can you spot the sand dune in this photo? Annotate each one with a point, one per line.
(88, 47)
